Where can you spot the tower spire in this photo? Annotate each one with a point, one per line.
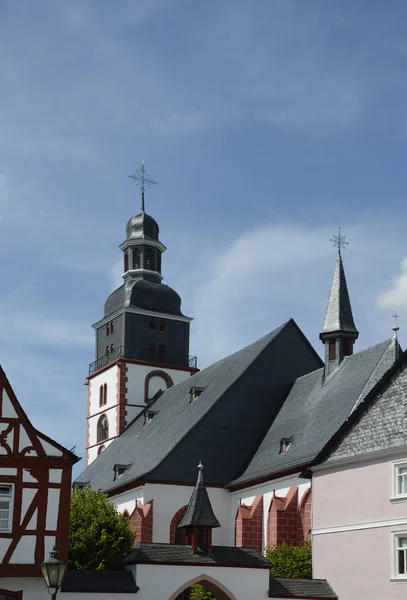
(143, 180)
(339, 332)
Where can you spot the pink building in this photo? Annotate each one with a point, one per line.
(359, 510)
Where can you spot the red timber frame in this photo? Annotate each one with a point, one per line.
(37, 458)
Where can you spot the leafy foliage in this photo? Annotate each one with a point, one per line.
(200, 593)
(290, 561)
(99, 538)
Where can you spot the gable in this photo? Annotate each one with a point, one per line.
(382, 425)
(18, 437)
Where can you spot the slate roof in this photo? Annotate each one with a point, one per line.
(339, 312)
(199, 511)
(235, 409)
(99, 581)
(316, 408)
(144, 294)
(379, 422)
(150, 552)
(300, 588)
(142, 227)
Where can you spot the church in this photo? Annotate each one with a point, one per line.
(255, 420)
(211, 467)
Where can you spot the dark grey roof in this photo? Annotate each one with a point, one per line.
(380, 422)
(141, 293)
(234, 411)
(199, 511)
(339, 312)
(142, 227)
(281, 587)
(99, 581)
(316, 408)
(150, 552)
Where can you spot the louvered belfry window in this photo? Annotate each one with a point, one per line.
(332, 349)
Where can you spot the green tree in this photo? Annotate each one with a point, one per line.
(200, 593)
(99, 537)
(290, 561)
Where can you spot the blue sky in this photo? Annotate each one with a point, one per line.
(267, 123)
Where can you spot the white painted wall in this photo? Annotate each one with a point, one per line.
(109, 376)
(93, 452)
(159, 582)
(127, 501)
(34, 589)
(137, 375)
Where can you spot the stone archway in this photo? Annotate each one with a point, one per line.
(211, 584)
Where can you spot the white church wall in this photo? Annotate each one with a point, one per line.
(136, 376)
(247, 496)
(160, 582)
(93, 452)
(127, 501)
(109, 376)
(33, 588)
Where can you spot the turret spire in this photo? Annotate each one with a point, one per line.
(339, 332)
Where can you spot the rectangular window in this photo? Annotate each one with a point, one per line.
(399, 480)
(400, 562)
(6, 506)
(332, 349)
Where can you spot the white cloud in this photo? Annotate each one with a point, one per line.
(395, 297)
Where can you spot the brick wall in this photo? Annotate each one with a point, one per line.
(121, 396)
(141, 521)
(174, 522)
(282, 522)
(304, 517)
(249, 525)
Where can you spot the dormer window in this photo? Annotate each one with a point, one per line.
(285, 444)
(148, 415)
(195, 392)
(119, 470)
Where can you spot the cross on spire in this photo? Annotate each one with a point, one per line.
(143, 180)
(396, 327)
(339, 241)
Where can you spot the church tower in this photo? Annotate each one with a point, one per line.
(142, 341)
(339, 332)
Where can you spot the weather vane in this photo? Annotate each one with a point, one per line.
(339, 241)
(143, 181)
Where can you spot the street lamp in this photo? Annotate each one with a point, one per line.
(53, 571)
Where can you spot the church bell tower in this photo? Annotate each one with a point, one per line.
(142, 341)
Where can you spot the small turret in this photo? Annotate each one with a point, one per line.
(339, 332)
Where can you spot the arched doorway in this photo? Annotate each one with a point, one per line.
(212, 585)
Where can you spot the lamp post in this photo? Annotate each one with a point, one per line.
(53, 571)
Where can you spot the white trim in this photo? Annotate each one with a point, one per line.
(359, 526)
(360, 458)
(394, 535)
(143, 241)
(395, 497)
(152, 313)
(136, 272)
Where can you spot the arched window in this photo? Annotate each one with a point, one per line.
(151, 350)
(101, 448)
(107, 329)
(161, 353)
(152, 324)
(101, 396)
(105, 393)
(136, 258)
(111, 348)
(126, 262)
(107, 350)
(149, 259)
(162, 326)
(112, 327)
(103, 429)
